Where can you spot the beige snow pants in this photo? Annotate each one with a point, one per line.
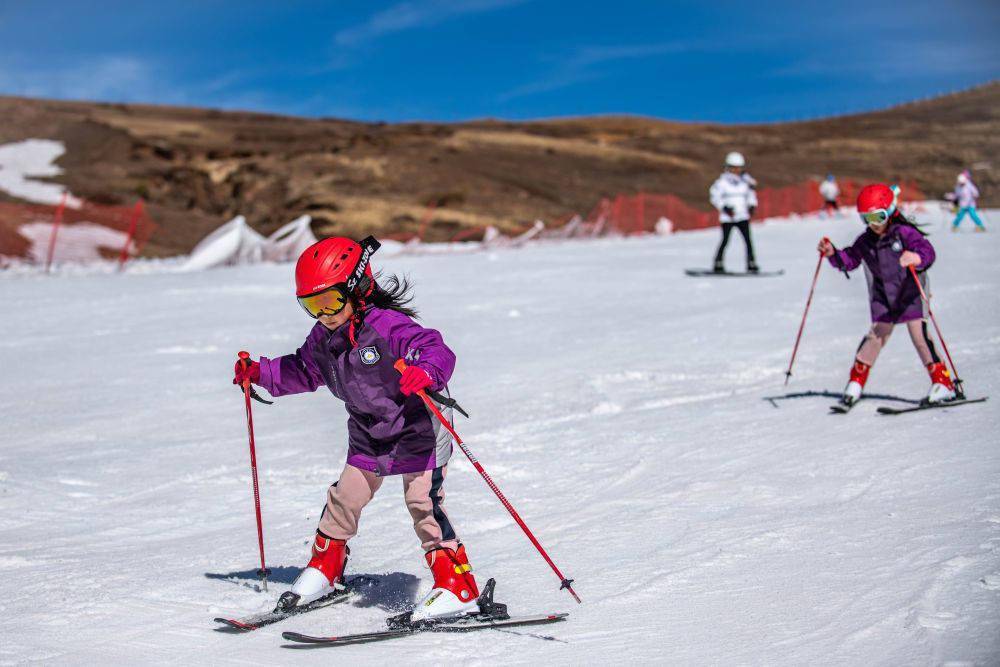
(422, 491)
(876, 339)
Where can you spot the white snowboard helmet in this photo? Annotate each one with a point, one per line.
(735, 159)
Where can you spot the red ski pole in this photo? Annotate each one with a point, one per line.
(923, 295)
(802, 326)
(400, 366)
(263, 571)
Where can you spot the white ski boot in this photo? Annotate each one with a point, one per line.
(455, 591)
(856, 383)
(942, 388)
(322, 576)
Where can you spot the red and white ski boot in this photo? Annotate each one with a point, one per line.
(856, 383)
(323, 575)
(455, 591)
(942, 388)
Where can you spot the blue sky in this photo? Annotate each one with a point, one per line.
(459, 59)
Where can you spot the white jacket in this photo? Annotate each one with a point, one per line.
(733, 191)
(966, 194)
(829, 190)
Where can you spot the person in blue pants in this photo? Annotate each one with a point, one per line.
(966, 194)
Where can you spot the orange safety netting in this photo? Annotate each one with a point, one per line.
(51, 234)
(639, 213)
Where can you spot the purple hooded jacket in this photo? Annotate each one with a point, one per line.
(893, 295)
(388, 433)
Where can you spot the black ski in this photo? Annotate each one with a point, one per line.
(256, 621)
(491, 615)
(732, 274)
(452, 626)
(842, 408)
(885, 410)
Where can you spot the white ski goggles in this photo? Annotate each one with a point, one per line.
(878, 217)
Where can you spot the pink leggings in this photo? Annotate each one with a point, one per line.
(876, 339)
(422, 491)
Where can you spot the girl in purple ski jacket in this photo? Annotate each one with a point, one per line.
(363, 327)
(888, 249)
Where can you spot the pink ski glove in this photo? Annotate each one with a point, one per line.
(413, 379)
(249, 372)
(909, 258)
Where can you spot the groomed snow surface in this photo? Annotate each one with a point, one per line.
(619, 404)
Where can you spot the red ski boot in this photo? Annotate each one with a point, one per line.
(942, 388)
(455, 591)
(321, 576)
(856, 383)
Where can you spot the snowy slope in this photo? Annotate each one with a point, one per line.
(619, 404)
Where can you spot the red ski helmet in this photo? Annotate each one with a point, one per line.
(874, 197)
(877, 203)
(334, 261)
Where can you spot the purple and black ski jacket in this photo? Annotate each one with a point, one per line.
(893, 295)
(388, 433)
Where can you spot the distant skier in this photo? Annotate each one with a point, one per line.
(365, 325)
(889, 246)
(829, 190)
(733, 194)
(966, 194)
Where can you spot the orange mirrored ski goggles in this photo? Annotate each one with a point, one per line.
(328, 302)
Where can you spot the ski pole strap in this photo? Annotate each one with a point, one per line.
(842, 269)
(255, 396)
(400, 366)
(448, 401)
(245, 362)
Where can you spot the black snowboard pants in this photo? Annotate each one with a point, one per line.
(727, 229)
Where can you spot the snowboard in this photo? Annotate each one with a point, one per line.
(705, 273)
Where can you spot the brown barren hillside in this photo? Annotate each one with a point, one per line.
(198, 167)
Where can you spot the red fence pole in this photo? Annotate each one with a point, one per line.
(136, 212)
(640, 222)
(428, 214)
(56, 221)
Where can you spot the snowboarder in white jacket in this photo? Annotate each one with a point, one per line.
(734, 196)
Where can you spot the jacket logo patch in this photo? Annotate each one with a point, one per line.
(897, 246)
(369, 355)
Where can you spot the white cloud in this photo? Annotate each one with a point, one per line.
(412, 15)
(902, 59)
(122, 78)
(578, 66)
(113, 78)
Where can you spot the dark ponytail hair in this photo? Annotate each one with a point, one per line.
(392, 293)
(900, 219)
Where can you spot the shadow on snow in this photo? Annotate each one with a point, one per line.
(773, 400)
(395, 591)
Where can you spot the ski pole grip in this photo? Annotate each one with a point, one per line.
(245, 362)
(400, 366)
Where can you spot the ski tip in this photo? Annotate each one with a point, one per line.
(234, 624)
(300, 638)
